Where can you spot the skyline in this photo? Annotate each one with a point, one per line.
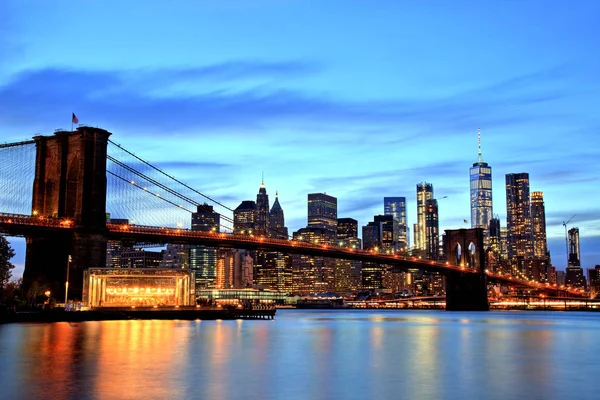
(360, 121)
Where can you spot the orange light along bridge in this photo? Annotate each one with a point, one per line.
(68, 220)
(25, 225)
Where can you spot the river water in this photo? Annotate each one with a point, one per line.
(309, 354)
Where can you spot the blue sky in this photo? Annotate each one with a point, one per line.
(357, 99)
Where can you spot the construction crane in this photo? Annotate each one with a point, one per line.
(567, 237)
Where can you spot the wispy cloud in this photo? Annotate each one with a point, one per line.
(147, 101)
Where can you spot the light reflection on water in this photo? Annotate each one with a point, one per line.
(308, 355)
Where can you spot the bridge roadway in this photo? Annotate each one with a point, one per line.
(23, 225)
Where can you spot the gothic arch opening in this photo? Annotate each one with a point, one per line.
(458, 254)
(472, 255)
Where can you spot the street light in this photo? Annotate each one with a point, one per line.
(67, 282)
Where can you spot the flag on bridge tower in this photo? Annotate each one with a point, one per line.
(74, 120)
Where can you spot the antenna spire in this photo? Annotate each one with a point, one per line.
(479, 144)
(262, 184)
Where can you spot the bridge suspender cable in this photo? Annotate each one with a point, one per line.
(160, 185)
(157, 195)
(173, 178)
(183, 197)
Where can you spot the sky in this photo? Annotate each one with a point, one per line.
(357, 99)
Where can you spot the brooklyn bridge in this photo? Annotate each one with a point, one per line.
(56, 191)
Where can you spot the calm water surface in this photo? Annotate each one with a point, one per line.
(309, 355)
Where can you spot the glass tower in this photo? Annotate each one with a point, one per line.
(322, 211)
(518, 216)
(538, 215)
(481, 192)
(424, 193)
(432, 229)
(203, 259)
(396, 207)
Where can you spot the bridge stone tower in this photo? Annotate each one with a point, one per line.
(70, 182)
(466, 291)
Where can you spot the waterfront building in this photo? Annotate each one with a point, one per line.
(396, 207)
(313, 274)
(538, 217)
(481, 192)
(424, 193)
(518, 217)
(347, 272)
(203, 259)
(237, 296)
(244, 218)
(139, 287)
(594, 281)
(322, 211)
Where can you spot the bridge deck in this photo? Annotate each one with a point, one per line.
(21, 225)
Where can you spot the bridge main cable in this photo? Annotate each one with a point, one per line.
(15, 144)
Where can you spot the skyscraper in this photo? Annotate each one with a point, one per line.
(574, 248)
(424, 193)
(277, 221)
(203, 259)
(322, 211)
(481, 192)
(396, 207)
(261, 223)
(432, 229)
(518, 216)
(538, 215)
(347, 272)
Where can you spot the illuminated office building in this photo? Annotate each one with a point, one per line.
(203, 259)
(594, 281)
(538, 216)
(432, 229)
(396, 207)
(347, 272)
(322, 211)
(518, 216)
(176, 256)
(574, 248)
(481, 192)
(244, 217)
(312, 274)
(140, 258)
(424, 193)
(574, 273)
